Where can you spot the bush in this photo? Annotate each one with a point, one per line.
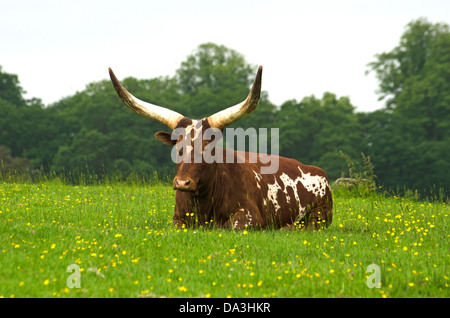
(359, 181)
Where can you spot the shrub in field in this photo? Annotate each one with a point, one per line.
(361, 182)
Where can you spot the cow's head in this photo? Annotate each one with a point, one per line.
(192, 175)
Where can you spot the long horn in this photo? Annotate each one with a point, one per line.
(241, 110)
(165, 116)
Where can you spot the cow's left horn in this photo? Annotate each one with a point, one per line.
(234, 113)
(165, 116)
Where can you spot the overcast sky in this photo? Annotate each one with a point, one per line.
(305, 47)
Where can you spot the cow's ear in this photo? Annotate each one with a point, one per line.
(165, 138)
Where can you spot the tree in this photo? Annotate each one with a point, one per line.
(315, 130)
(10, 135)
(25, 127)
(415, 79)
(212, 78)
(407, 60)
(104, 136)
(10, 89)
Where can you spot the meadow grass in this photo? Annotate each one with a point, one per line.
(122, 238)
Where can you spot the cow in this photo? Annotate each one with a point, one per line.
(236, 194)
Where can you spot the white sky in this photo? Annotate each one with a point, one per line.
(305, 47)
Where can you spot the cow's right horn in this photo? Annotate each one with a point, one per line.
(165, 116)
(241, 110)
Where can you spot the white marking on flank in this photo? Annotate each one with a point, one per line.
(258, 179)
(272, 194)
(315, 184)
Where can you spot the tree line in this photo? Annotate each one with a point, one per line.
(91, 131)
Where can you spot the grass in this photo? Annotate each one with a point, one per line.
(121, 237)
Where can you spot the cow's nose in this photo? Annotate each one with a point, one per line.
(182, 184)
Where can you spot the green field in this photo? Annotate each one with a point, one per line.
(123, 241)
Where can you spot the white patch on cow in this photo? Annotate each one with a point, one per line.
(196, 127)
(288, 182)
(315, 184)
(272, 194)
(249, 219)
(189, 149)
(236, 222)
(258, 179)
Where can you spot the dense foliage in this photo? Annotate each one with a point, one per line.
(408, 140)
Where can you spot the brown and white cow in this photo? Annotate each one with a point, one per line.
(237, 195)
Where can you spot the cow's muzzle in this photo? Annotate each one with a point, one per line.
(183, 184)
